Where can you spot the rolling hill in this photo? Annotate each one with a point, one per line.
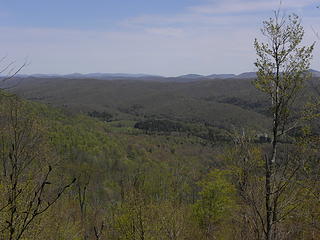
(221, 103)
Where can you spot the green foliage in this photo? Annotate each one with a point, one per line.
(282, 64)
(216, 200)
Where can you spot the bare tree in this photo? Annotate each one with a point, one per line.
(8, 70)
(27, 191)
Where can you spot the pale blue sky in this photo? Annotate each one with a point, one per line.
(164, 37)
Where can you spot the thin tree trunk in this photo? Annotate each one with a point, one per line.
(270, 204)
(268, 200)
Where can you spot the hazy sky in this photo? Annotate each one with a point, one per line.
(165, 37)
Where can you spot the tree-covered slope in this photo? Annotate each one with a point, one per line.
(222, 103)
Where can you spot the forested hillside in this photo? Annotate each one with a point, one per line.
(222, 104)
(127, 182)
(141, 159)
(152, 175)
(219, 102)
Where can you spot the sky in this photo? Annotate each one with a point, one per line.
(162, 37)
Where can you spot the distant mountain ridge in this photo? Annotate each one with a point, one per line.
(89, 75)
(182, 78)
(221, 76)
(245, 75)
